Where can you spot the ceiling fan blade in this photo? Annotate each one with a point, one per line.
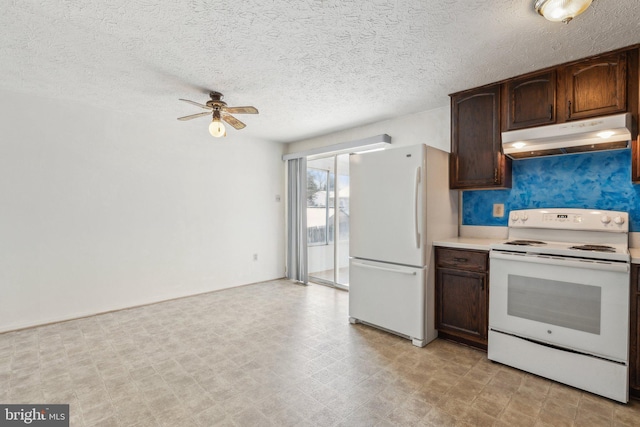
(195, 116)
(197, 104)
(233, 121)
(241, 110)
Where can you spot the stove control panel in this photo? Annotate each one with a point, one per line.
(570, 219)
(561, 217)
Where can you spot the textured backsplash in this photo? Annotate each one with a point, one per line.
(591, 180)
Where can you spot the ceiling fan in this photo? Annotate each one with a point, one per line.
(219, 110)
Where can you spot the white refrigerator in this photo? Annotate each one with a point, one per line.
(400, 203)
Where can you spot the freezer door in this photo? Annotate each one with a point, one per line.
(386, 205)
(388, 296)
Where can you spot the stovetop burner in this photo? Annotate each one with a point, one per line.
(594, 248)
(524, 242)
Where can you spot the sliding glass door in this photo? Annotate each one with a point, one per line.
(328, 220)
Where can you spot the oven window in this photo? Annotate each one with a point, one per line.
(566, 304)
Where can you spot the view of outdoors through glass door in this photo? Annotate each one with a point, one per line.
(328, 220)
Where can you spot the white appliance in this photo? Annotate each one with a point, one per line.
(600, 133)
(399, 203)
(559, 300)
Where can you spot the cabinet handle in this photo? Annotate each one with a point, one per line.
(569, 109)
(460, 259)
(495, 175)
(550, 112)
(482, 285)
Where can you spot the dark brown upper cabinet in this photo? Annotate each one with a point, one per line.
(530, 101)
(595, 87)
(476, 159)
(600, 85)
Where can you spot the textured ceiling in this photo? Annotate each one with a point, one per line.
(310, 66)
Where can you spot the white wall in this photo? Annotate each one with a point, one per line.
(100, 210)
(431, 127)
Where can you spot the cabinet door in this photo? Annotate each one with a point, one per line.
(461, 300)
(530, 101)
(596, 87)
(476, 159)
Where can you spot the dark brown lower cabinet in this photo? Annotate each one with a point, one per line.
(634, 342)
(462, 295)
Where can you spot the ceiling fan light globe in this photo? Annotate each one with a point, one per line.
(561, 10)
(216, 129)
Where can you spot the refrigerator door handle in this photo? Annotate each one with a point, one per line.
(375, 267)
(416, 206)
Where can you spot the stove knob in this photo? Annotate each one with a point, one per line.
(618, 220)
(514, 217)
(606, 219)
(524, 217)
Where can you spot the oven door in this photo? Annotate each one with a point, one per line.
(581, 305)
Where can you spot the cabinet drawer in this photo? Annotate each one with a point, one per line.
(462, 259)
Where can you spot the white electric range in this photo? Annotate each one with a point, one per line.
(559, 298)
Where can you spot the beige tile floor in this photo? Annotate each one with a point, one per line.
(275, 354)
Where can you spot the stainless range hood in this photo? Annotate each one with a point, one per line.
(600, 133)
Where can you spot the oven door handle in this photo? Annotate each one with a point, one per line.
(565, 262)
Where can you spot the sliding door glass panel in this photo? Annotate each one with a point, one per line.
(320, 216)
(342, 220)
(328, 220)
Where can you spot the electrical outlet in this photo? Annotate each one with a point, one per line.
(498, 210)
(255, 257)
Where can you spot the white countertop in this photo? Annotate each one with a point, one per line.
(635, 255)
(481, 244)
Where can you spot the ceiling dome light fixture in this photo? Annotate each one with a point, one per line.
(561, 10)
